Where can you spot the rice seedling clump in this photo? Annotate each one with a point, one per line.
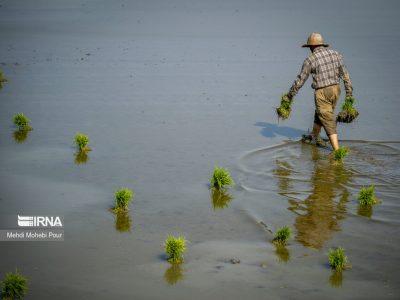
(2, 79)
(122, 199)
(174, 248)
(337, 259)
(366, 197)
(221, 178)
(348, 112)
(22, 122)
(282, 235)
(285, 108)
(340, 153)
(13, 286)
(82, 141)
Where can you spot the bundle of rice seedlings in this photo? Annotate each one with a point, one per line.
(82, 141)
(282, 235)
(337, 259)
(284, 110)
(174, 248)
(22, 122)
(348, 112)
(340, 153)
(122, 199)
(366, 197)
(221, 178)
(2, 79)
(13, 286)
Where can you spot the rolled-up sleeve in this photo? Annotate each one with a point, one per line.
(344, 75)
(301, 78)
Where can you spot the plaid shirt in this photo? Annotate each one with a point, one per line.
(327, 67)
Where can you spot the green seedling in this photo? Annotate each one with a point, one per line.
(13, 286)
(2, 79)
(348, 113)
(22, 122)
(282, 235)
(285, 108)
(123, 221)
(366, 197)
(220, 198)
(122, 199)
(221, 178)
(340, 153)
(82, 141)
(337, 259)
(174, 248)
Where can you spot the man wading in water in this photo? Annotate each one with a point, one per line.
(327, 68)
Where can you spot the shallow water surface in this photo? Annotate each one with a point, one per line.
(166, 90)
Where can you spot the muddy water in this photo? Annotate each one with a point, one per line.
(166, 91)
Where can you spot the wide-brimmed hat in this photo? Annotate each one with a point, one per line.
(315, 39)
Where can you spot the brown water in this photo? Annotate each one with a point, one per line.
(168, 90)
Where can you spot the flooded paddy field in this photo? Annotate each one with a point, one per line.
(168, 90)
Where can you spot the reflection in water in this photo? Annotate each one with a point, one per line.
(319, 214)
(173, 274)
(365, 210)
(336, 278)
(81, 157)
(220, 198)
(282, 172)
(123, 221)
(282, 253)
(20, 135)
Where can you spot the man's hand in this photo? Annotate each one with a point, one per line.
(287, 97)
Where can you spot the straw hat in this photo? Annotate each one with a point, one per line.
(315, 39)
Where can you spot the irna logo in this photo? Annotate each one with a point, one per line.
(39, 221)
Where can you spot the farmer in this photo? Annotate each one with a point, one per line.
(327, 67)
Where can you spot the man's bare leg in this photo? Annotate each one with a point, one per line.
(316, 130)
(333, 138)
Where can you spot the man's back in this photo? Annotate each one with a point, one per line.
(325, 67)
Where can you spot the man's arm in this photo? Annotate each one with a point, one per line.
(301, 79)
(344, 74)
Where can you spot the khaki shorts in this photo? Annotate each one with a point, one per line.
(325, 103)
